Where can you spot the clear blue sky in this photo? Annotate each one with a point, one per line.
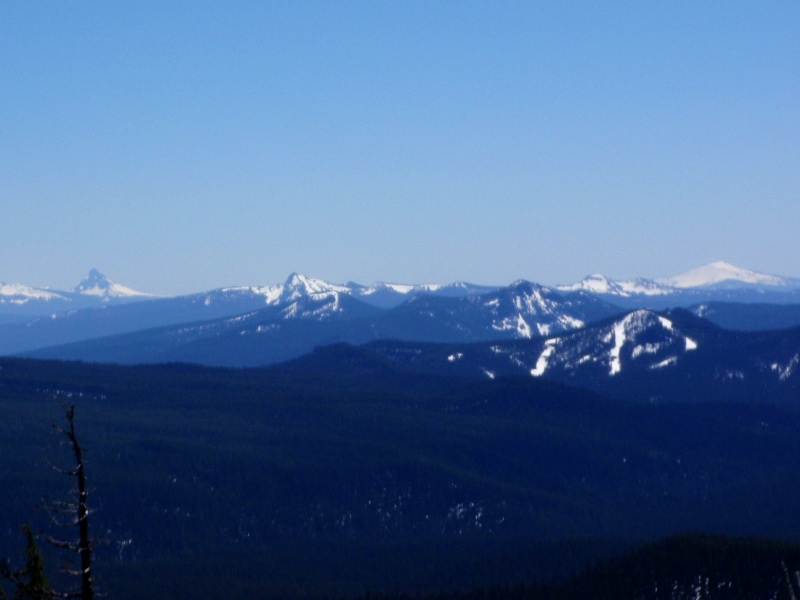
(183, 146)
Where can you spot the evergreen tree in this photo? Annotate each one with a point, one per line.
(77, 512)
(30, 581)
(36, 586)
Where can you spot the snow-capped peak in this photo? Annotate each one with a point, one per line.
(596, 283)
(97, 284)
(721, 272)
(298, 286)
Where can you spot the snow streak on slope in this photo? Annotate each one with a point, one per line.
(786, 371)
(541, 363)
(317, 306)
(639, 336)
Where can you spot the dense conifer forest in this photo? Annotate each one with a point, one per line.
(211, 483)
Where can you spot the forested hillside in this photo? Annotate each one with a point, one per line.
(288, 483)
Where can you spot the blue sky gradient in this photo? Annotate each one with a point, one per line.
(180, 147)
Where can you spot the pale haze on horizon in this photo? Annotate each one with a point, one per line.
(180, 147)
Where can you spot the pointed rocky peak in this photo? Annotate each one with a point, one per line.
(97, 284)
(300, 286)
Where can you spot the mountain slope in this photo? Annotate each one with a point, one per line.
(298, 323)
(98, 307)
(114, 319)
(642, 356)
(601, 285)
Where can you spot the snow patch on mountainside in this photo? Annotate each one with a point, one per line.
(271, 293)
(786, 371)
(599, 284)
(401, 288)
(645, 349)
(319, 306)
(19, 294)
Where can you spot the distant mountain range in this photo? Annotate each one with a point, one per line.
(95, 290)
(716, 281)
(102, 321)
(299, 321)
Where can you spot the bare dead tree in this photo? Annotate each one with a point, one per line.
(74, 512)
(30, 581)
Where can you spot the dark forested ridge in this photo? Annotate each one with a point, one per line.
(749, 317)
(691, 360)
(278, 482)
(689, 566)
